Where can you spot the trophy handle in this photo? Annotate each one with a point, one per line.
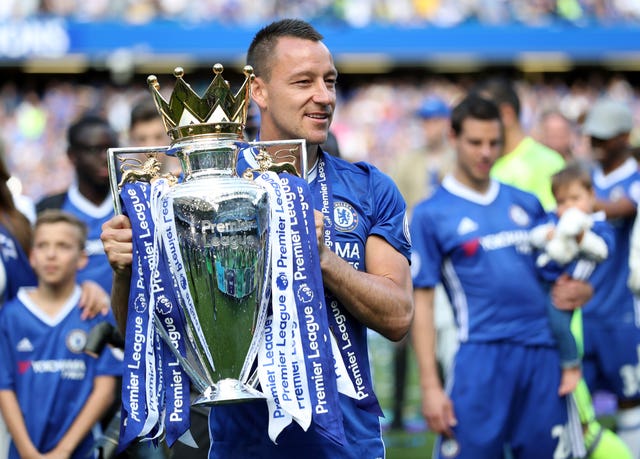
(304, 162)
(119, 158)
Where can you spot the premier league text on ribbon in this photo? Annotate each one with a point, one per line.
(352, 360)
(139, 335)
(299, 274)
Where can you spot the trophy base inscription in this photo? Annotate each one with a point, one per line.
(227, 391)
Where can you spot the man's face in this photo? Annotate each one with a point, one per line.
(478, 146)
(606, 150)
(89, 156)
(299, 98)
(148, 133)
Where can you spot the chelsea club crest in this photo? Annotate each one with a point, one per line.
(75, 341)
(345, 217)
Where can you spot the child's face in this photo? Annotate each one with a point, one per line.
(56, 254)
(574, 194)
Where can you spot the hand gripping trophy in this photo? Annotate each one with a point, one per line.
(199, 304)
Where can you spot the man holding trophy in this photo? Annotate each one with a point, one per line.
(357, 263)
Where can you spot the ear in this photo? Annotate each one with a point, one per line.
(508, 115)
(259, 92)
(32, 259)
(83, 259)
(72, 155)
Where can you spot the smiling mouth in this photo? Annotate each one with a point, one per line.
(318, 116)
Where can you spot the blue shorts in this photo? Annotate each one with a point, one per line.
(240, 431)
(506, 395)
(611, 358)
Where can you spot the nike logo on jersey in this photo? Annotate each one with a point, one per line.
(24, 345)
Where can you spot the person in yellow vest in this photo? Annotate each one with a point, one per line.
(525, 163)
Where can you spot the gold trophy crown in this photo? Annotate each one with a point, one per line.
(219, 111)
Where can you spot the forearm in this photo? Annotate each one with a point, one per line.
(16, 425)
(96, 406)
(621, 208)
(120, 298)
(379, 300)
(423, 337)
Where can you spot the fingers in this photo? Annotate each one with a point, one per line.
(440, 416)
(93, 300)
(117, 241)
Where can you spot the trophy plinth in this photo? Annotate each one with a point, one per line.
(227, 391)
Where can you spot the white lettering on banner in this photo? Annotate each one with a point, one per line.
(318, 379)
(168, 227)
(352, 361)
(341, 320)
(133, 385)
(139, 208)
(42, 38)
(271, 374)
(176, 381)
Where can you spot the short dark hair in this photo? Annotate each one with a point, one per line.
(501, 91)
(265, 40)
(476, 107)
(572, 172)
(143, 111)
(51, 216)
(75, 133)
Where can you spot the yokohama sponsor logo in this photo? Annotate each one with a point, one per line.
(68, 369)
(505, 239)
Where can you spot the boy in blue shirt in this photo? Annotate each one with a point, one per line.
(51, 393)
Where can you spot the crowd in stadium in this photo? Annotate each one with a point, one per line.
(375, 120)
(354, 13)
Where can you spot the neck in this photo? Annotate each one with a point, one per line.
(479, 186)
(51, 297)
(611, 164)
(95, 194)
(512, 138)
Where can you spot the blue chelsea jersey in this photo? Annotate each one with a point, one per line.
(364, 202)
(17, 269)
(612, 300)
(478, 246)
(44, 364)
(98, 268)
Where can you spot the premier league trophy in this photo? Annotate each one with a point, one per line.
(216, 242)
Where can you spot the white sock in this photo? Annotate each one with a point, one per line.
(628, 428)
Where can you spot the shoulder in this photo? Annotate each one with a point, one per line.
(436, 206)
(9, 310)
(51, 202)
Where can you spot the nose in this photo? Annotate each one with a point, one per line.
(322, 94)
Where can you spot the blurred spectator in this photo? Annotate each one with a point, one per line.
(524, 163)
(356, 13)
(89, 196)
(557, 132)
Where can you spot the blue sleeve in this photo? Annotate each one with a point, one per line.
(391, 211)
(110, 362)
(7, 359)
(426, 255)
